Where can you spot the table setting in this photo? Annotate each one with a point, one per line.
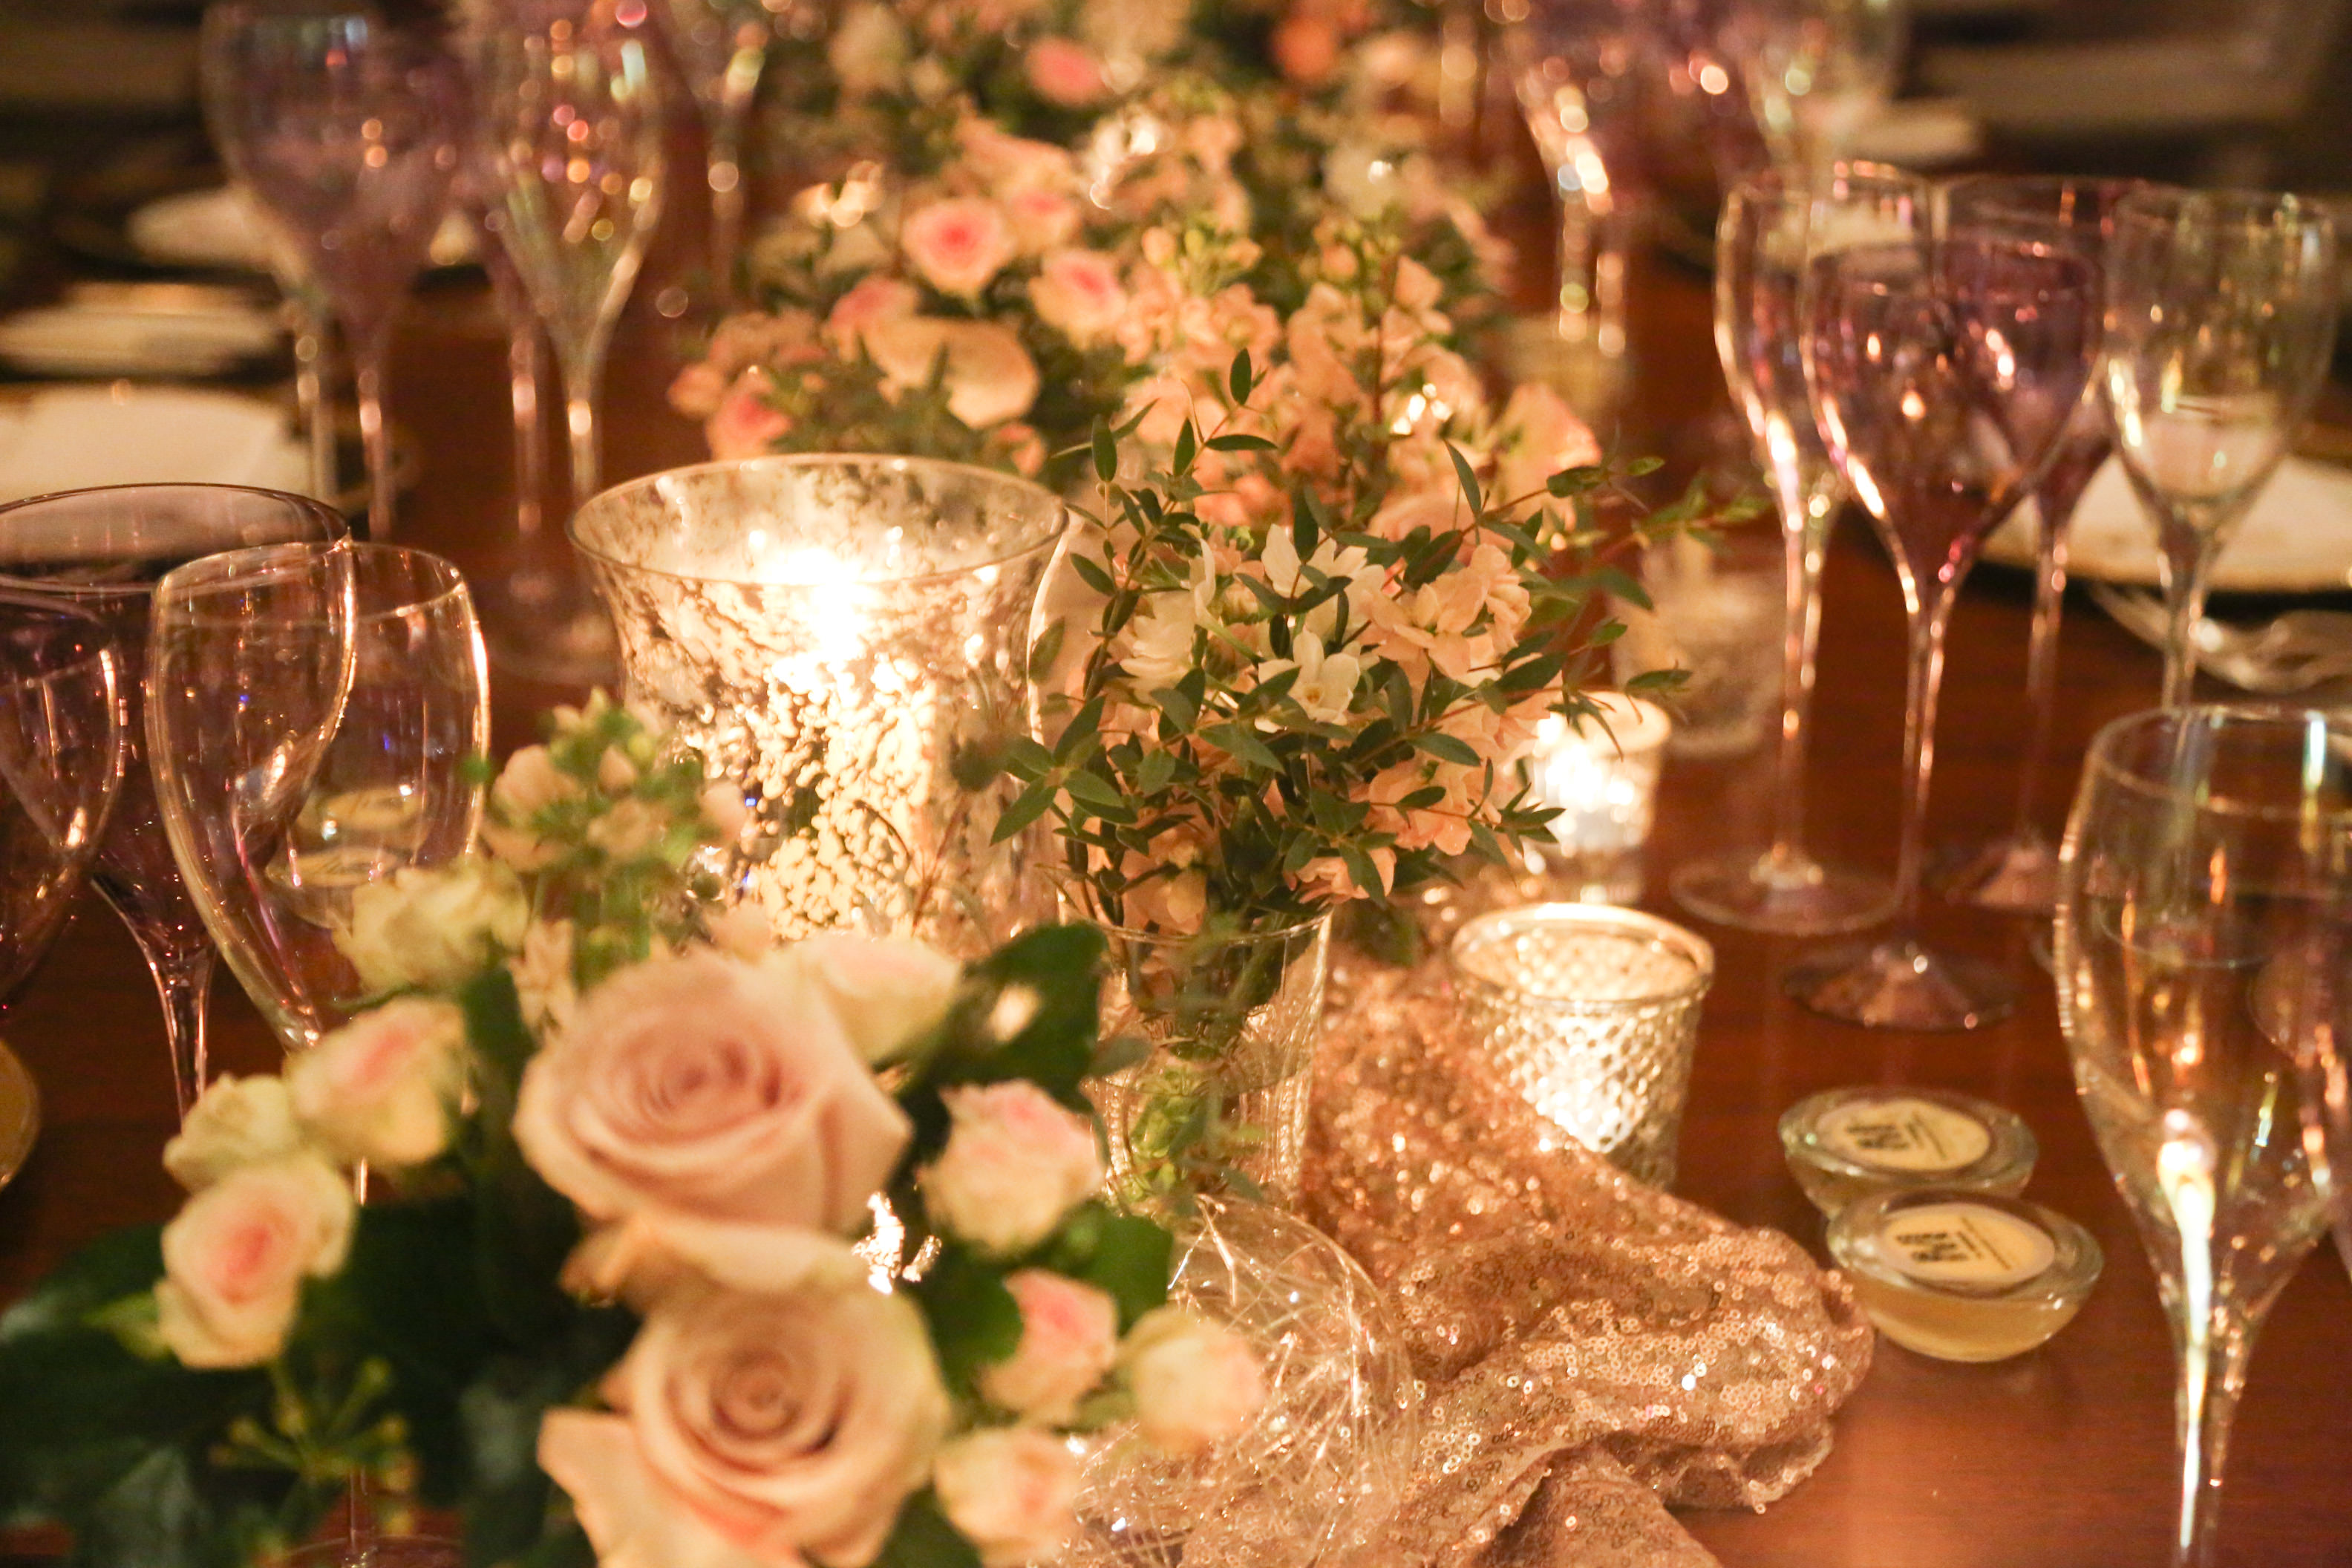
(998, 842)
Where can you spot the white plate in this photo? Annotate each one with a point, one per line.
(224, 228)
(72, 437)
(2296, 540)
(108, 340)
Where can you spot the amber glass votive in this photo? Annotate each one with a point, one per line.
(1964, 1276)
(1590, 1013)
(1847, 1143)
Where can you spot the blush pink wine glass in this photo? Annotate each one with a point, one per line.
(1944, 364)
(345, 123)
(103, 551)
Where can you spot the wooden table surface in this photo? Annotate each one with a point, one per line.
(2062, 1459)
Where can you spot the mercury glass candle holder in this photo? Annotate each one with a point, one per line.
(845, 637)
(1601, 774)
(1590, 1013)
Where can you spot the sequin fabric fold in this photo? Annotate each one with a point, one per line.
(1591, 1350)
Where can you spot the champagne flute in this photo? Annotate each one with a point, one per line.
(2203, 873)
(1816, 70)
(1943, 369)
(2019, 871)
(1759, 271)
(314, 716)
(571, 115)
(104, 550)
(723, 45)
(2221, 314)
(60, 764)
(346, 129)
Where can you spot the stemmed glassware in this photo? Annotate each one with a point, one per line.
(2019, 871)
(345, 127)
(1578, 66)
(1816, 70)
(2203, 891)
(60, 764)
(723, 46)
(570, 112)
(1943, 368)
(314, 716)
(104, 550)
(2221, 315)
(1758, 273)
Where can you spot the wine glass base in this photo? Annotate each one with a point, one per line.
(20, 1114)
(551, 627)
(381, 1552)
(2015, 875)
(1791, 895)
(1896, 983)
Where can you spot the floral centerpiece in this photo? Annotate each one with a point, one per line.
(689, 1251)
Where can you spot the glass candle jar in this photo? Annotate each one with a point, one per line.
(1964, 1276)
(1590, 1013)
(1602, 777)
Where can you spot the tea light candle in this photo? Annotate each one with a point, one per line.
(1848, 1144)
(1602, 776)
(1964, 1276)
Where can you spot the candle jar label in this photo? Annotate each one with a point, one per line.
(1904, 1134)
(1968, 1244)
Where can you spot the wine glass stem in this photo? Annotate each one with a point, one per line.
(1805, 510)
(311, 396)
(2055, 504)
(376, 436)
(2213, 1339)
(184, 981)
(2187, 567)
(727, 200)
(1929, 623)
(1591, 255)
(580, 421)
(526, 370)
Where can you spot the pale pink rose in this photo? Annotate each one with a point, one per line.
(236, 1254)
(1065, 72)
(1015, 1163)
(754, 1429)
(959, 245)
(645, 1257)
(887, 991)
(742, 932)
(1040, 218)
(1539, 436)
(238, 1122)
(1195, 1382)
(698, 389)
(1079, 292)
(434, 926)
(875, 299)
(1006, 161)
(629, 830)
(1069, 1338)
(1012, 1492)
(382, 1087)
(698, 1087)
(988, 375)
(746, 423)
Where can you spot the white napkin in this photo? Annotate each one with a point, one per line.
(74, 437)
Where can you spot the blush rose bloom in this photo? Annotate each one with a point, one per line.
(1195, 1382)
(1069, 1339)
(382, 1087)
(530, 783)
(873, 301)
(1079, 292)
(988, 377)
(238, 1121)
(1012, 1492)
(1015, 1163)
(959, 245)
(236, 1254)
(434, 927)
(745, 424)
(754, 1429)
(1064, 72)
(885, 990)
(705, 1088)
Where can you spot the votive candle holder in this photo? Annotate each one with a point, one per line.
(1600, 773)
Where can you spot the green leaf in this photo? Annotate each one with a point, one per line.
(1238, 442)
(1155, 773)
(1029, 759)
(1091, 573)
(1243, 742)
(1469, 479)
(1090, 789)
(1240, 379)
(1124, 1256)
(974, 1321)
(1447, 748)
(1027, 807)
(1046, 649)
(1188, 446)
(924, 1538)
(1106, 455)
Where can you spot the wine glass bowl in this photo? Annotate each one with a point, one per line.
(2220, 316)
(103, 551)
(1816, 72)
(60, 764)
(1760, 268)
(723, 46)
(315, 716)
(1944, 363)
(346, 129)
(2204, 930)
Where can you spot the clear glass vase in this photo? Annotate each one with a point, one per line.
(1229, 1026)
(844, 637)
